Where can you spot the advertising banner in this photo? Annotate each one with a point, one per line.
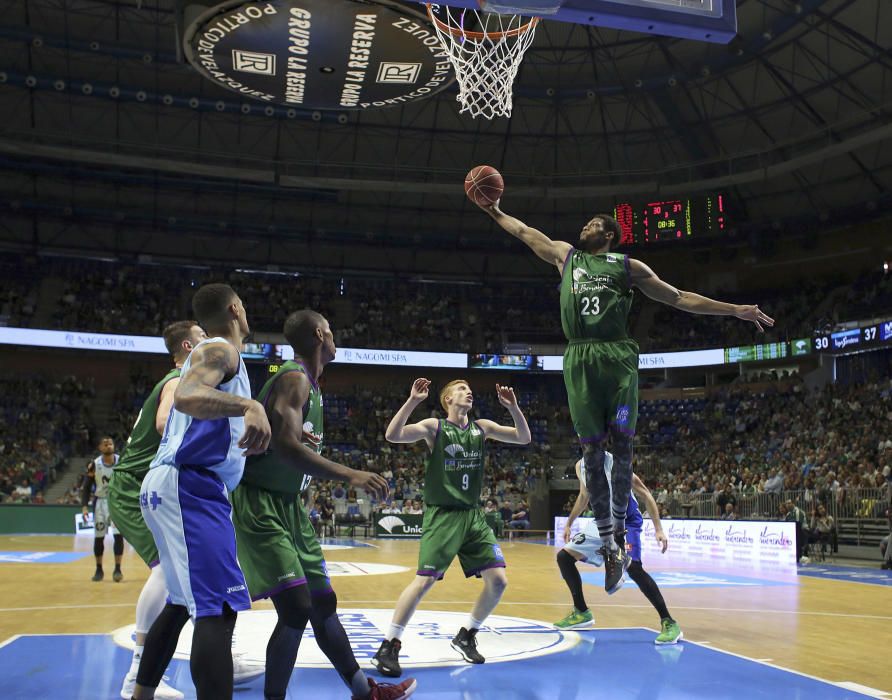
(769, 547)
(398, 525)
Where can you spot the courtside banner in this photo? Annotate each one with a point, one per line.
(392, 358)
(78, 340)
(769, 547)
(657, 360)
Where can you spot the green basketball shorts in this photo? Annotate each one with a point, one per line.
(277, 545)
(602, 387)
(123, 505)
(451, 532)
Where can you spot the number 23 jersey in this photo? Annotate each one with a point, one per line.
(596, 296)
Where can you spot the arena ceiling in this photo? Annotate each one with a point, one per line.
(110, 145)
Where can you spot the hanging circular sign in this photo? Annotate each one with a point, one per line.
(316, 54)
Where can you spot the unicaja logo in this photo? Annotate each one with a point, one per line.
(778, 539)
(454, 450)
(733, 536)
(390, 522)
(704, 534)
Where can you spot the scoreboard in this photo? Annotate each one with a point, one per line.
(671, 220)
(876, 335)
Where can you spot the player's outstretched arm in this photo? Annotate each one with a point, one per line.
(397, 430)
(552, 252)
(286, 419)
(519, 433)
(197, 396)
(643, 494)
(647, 281)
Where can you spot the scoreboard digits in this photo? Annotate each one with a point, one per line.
(676, 219)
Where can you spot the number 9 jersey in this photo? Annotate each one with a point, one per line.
(453, 474)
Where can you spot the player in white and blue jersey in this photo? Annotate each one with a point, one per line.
(213, 426)
(586, 547)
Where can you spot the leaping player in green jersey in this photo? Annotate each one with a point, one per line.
(601, 360)
(454, 523)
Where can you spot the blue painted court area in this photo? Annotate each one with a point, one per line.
(616, 664)
(853, 574)
(689, 579)
(41, 557)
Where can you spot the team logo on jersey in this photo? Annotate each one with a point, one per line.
(612, 258)
(622, 415)
(310, 434)
(390, 522)
(425, 641)
(580, 275)
(454, 450)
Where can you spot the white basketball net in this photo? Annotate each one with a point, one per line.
(485, 50)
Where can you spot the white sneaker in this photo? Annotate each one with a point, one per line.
(162, 692)
(244, 670)
(804, 560)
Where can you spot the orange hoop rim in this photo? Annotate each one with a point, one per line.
(479, 36)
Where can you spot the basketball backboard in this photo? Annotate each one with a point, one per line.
(703, 20)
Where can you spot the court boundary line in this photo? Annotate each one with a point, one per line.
(835, 684)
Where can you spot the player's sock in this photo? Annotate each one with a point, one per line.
(395, 631)
(281, 653)
(134, 662)
(605, 530)
(359, 685)
(649, 588)
(474, 623)
(151, 600)
(569, 572)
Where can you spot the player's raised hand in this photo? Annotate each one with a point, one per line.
(256, 437)
(373, 484)
(506, 396)
(662, 540)
(420, 389)
(753, 314)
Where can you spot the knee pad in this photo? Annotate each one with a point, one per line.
(98, 546)
(293, 606)
(564, 557)
(119, 545)
(325, 605)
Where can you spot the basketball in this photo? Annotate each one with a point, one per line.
(484, 185)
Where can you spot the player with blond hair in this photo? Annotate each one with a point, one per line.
(454, 523)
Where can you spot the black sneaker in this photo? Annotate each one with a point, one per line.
(99, 575)
(615, 564)
(465, 643)
(117, 576)
(387, 658)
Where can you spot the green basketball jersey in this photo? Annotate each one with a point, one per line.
(144, 439)
(596, 295)
(453, 475)
(266, 470)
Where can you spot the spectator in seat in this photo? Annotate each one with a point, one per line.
(730, 513)
(821, 527)
(506, 511)
(520, 518)
(724, 498)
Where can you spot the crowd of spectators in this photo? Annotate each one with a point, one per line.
(45, 422)
(737, 446)
(402, 313)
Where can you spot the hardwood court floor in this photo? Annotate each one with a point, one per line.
(831, 629)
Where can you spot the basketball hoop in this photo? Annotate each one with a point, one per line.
(485, 50)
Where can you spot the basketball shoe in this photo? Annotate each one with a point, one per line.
(465, 643)
(576, 621)
(390, 691)
(387, 658)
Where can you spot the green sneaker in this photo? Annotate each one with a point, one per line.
(576, 621)
(670, 632)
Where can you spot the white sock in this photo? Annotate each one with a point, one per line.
(395, 631)
(134, 663)
(473, 624)
(151, 601)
